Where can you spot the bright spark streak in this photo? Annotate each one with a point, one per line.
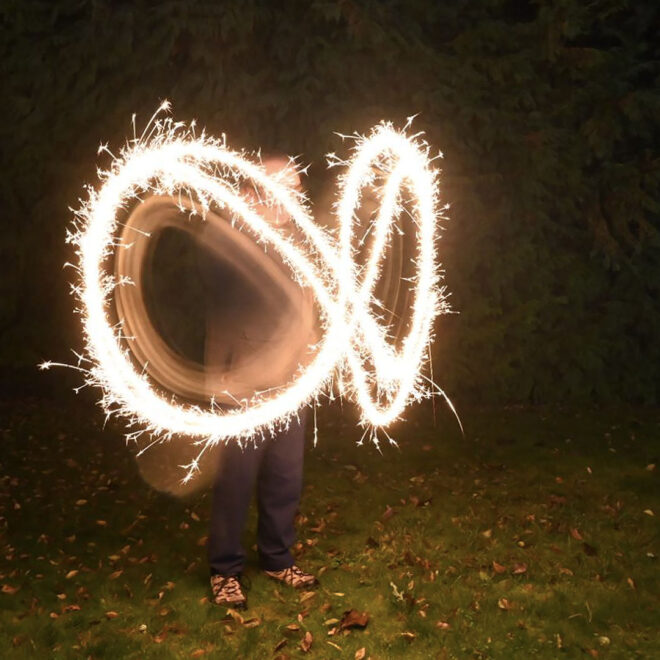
(170, 159)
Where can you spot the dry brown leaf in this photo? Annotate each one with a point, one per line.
(306, 642)
(280, 645)
(71, 574)
(504, 604)
(631, 583)
(293, 627)
(198, 653)
(575, 533)
(234, 614)
(408, 636)
(115, 574)
(8, 589)
(360, 653)
(354, 619)
(498, 568)
(306, 595)
(252, 623)
(443, 625)
(519, 568)
(111, 614)
(71, 608)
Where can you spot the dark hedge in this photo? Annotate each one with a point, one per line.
(546, 113)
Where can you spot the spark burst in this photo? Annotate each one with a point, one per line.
(354, 349)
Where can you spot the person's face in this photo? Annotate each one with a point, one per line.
(280, 168)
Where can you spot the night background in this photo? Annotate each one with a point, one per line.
(536, 533)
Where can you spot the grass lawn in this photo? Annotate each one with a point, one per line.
(536, 535)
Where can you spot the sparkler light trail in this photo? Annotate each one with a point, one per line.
(354, 349)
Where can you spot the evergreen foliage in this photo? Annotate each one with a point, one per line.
(546, 112)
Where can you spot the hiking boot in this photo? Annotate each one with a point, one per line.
(294, 577)
(227, 591)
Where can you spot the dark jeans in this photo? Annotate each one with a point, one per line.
(276, 466)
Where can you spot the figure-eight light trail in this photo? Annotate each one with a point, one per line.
(354, 349)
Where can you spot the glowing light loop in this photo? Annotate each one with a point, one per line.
(354, 346)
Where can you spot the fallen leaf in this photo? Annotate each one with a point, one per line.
(498, 568)
(305, 596)
(101, 523)
(575, 533)
(235, 615)
(504, 604)
(631, 583)
(354, 619)
(8, 589)
(336, 646)
(293, 627)
(389, 512)
(252, 623)
(519, 569)
(81, 502)
(198, 653)
(71, 574)
(280, 645)
(115, 574)
(408, 636)
(649, 512)
(360, 653)
(443, 625)
(71, 608)
(111, 614)
(306, 642)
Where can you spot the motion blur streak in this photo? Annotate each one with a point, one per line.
(354, 348)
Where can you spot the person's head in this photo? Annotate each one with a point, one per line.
(281, 168)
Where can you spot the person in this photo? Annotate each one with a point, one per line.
(274, 464)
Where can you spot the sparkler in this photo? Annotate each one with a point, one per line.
(354, 349)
